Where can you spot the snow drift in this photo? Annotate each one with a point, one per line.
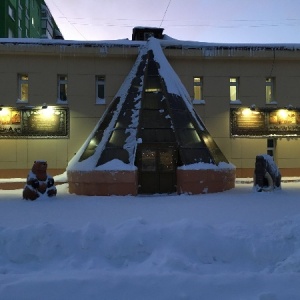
(232, 245)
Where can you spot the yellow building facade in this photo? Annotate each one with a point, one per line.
(78, 80)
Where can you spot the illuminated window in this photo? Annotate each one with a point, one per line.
(100, 85)
(270, 86)
(23, 87)
(233, 88)
(198, 88)
(149, 160)
(62, 88)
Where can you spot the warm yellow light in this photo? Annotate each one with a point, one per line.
(47, 112)
(152, 90)
(4, 116)
(246, 112)
(93, 142)
(283, 114)
(4, 112)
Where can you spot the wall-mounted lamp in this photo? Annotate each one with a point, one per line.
(44, 106)
(252, 107)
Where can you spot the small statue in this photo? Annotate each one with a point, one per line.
(39, 182)
(267, 176)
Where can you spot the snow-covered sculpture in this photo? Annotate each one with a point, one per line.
(267, 176)
(39, 182)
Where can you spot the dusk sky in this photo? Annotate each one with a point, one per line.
(224, 21)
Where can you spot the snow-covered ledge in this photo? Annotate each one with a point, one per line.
(199, 102)
(237, 102)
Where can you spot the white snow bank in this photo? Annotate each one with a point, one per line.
(178, 261)
(61, 178)
(116, 164)
(184, 246)
(206, 166)
(232, 245)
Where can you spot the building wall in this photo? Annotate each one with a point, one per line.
(82, 64)
(43, 64)
(27, 20)
(251, 67)
(7, 22)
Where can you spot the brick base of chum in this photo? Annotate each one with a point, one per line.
(205, 181)
(106, 183)
(103, 183)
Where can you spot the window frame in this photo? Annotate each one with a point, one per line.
(270, 95)
(62, 82)
(234, 83)
(198, 85)
(100, 82)
(10, 33)
(271, 147)
(11, 12)
(23, 81)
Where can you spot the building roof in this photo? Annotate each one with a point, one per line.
(167, 43)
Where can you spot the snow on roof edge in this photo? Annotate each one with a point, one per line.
(54, 42)
(167, 41)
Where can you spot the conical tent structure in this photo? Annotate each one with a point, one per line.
(150, 139)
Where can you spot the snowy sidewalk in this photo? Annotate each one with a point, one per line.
(232, 245)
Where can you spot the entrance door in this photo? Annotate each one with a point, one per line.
(157, 170)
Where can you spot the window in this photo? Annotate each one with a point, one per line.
(100, 91)
(270, 86)
(11, 12)
(198, 88)
(271, 145)
(10, 33)
(27, 22)
(233, 88)
(62, 88)
(148, 160)
(23, 87)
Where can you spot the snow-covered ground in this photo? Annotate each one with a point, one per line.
(236, 245)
